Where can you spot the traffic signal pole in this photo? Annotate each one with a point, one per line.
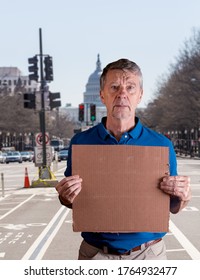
(30, 100)
(42, 111)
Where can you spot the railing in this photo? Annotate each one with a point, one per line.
(187, 142)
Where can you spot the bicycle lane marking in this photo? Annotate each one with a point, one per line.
(15, 208)
(189, 247)
(41, 244)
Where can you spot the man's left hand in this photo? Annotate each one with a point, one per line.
(178, 186)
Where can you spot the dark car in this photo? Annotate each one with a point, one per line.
(13, 157)
(63, 155)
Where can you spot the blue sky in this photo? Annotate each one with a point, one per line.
(151, 33)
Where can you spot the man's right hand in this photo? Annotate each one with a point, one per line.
(68, 188)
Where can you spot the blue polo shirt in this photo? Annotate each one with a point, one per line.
(139, 136)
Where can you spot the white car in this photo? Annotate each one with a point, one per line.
(26, 156)
(14, 156)
(2, 157)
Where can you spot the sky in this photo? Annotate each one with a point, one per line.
(149, 32)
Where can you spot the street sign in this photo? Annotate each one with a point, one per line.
(39, 156)
(39, 140)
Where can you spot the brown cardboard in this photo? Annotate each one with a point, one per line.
(120, 188)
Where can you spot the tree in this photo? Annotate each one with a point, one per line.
(177, 102)
(15, 119)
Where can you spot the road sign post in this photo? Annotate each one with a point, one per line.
(39, 154)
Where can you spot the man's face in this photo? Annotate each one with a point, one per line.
(121, 94)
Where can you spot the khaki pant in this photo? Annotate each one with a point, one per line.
(153, 252)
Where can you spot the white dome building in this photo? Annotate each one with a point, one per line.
(92, 94)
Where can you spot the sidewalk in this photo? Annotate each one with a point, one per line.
(187, 156)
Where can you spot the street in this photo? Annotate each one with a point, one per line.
(35, 226)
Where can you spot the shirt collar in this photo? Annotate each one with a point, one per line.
(134, 133)
(103, 132)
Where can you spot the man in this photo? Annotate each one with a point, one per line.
(121, 90)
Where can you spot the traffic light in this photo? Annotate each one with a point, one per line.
(48, 68)
(33, 68)
(92, 112)
(53, 100)
(81, 112)
(29, 101)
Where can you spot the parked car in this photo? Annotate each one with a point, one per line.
(26, 156)
(63, 155)
(13, 157)
(31, 154)
(2, 157)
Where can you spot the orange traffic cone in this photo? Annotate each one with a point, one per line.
(26, 179)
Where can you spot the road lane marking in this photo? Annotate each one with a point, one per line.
(175, 250)
(189, 247)
(190, 208)
(2, 254)
(41, 244)
(8, 203)
(62, 168)
(15, 208)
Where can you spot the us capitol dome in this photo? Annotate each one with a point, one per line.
(92, 94)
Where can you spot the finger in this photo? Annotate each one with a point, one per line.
(71, 193)
(167, 185)
(67, 191)
(67, 182)
(69, 178)
(74, 194)
(177, 178)
(180, 184)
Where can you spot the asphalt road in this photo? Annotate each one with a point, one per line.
(34, 225)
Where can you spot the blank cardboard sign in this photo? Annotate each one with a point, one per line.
(120, 188)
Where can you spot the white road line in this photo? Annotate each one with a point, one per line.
(2, 198)
(5, 203)
(2, 254)
(175, 250)
(187, 245)
(15, 208)
(61, 169)
(41, 244)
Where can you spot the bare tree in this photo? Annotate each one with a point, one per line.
(177, 102)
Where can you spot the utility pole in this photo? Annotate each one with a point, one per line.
(42, 111)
